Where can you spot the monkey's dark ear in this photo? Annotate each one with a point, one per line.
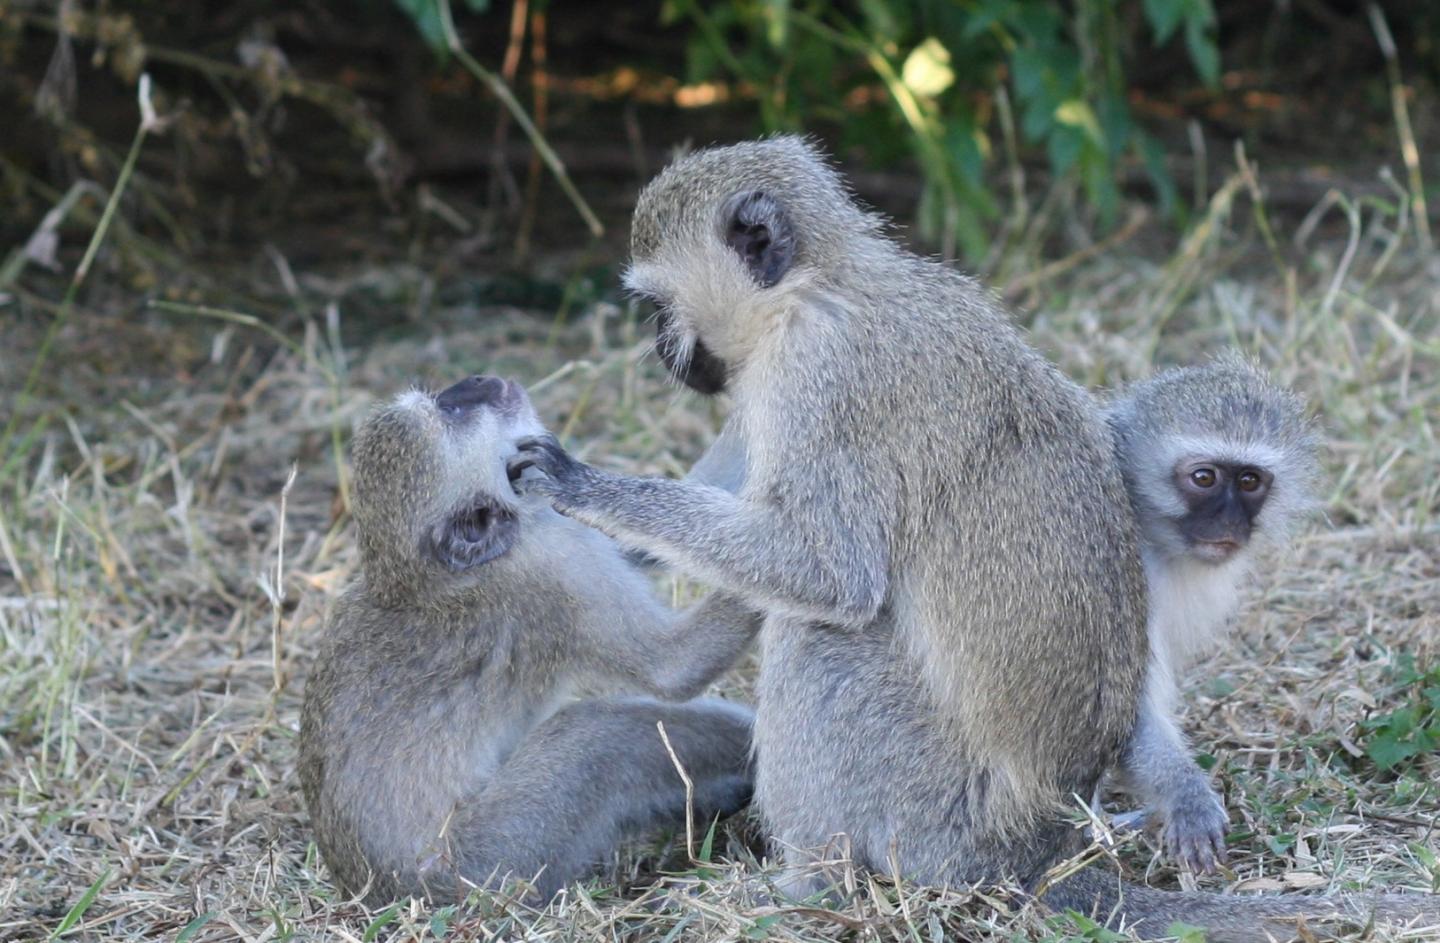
(474, 536)
(759, 230)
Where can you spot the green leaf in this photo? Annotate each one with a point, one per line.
(1389, 751)
(1185, 933)
(76, 912)
(1091, 930)
(1281, 844)
(1115, 124)
(1203, 52)
(1077, 113)
(440, 921)
(1028, 67)
(927, 69)
(1164, 17)
(426, 15)
(386, 917)
(880, 21)
(1063, 147)
(777, 22)
(193, 927)
(708, 845)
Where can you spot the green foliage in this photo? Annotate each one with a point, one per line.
(1394, 738)
(1075, 927)
(955, 78)
(426, 14)
(1185, 933)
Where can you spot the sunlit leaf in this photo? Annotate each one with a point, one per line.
(927, 69)
(1077, 113)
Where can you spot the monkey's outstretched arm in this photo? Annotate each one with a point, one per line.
(1158, 769)
(722, 466)
(803, 557)
(674, 657)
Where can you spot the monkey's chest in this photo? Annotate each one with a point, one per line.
(1191, 608)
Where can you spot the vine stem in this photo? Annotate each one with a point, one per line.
(517, 111)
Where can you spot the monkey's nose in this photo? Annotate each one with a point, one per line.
(472, 392)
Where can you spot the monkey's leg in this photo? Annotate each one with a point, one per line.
(595, 773)
(1158, 769)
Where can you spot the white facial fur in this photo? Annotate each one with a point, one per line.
(708, 284)
(479, 443)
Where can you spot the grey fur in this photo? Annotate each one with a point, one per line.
(1225, 411)
(955, 640)
(441, 745)
(932, 518)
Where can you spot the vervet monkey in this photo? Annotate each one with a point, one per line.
(441, 742)
(932, 518)
(1220, 464)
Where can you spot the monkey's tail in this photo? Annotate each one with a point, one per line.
(1149, 912)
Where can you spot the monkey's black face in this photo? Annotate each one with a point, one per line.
(1223, 499)
(475, 392)
(702, 371)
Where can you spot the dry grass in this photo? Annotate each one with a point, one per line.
(148, 754)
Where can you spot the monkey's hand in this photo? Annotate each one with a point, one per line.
(1193, 832)
(563, 477)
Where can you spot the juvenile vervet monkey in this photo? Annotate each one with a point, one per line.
(932, 518)
(1220, 464)
(441, 742)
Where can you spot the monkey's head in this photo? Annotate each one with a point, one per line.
(432, 498)
(722, 237)
(1217, 458)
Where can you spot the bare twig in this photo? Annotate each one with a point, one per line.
(689, 793)
(277, 597)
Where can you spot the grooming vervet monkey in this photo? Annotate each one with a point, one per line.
(1253, 450)
(441, 742)
(1220, 464)
(932, 518)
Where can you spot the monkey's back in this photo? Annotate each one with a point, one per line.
(1016, 599)
(405, 715)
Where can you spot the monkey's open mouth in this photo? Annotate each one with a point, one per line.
(1216, 550)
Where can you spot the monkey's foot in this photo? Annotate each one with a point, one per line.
(1194, 826)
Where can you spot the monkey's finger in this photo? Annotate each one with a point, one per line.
(539, 443)
(545, 453)
(516, 466)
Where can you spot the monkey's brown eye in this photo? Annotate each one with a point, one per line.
(1203, 477)
(1248, 481)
